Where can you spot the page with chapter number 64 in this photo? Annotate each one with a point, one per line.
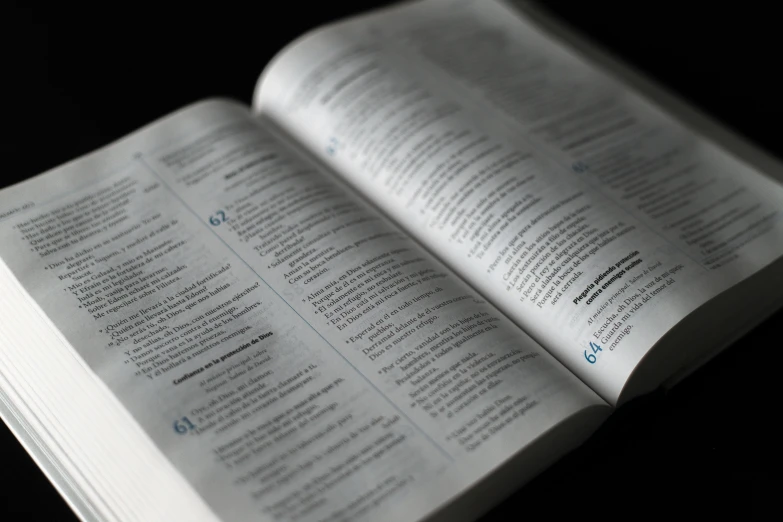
(586, 212)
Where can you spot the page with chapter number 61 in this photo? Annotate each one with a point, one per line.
(283, 348)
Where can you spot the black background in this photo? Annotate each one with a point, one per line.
(76, 78)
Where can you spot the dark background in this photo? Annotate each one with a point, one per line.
(76, 78)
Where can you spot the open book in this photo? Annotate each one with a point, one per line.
(432, 257)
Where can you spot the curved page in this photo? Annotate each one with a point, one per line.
(294, 355)
(591, 218)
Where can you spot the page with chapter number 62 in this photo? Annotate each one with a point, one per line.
(287, 350)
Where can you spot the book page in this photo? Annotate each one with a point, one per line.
(587, 215)
(294, 355)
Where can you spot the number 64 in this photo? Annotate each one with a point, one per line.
(591, 358)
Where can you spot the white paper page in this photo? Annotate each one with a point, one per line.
(590, 218)
(291, 353)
